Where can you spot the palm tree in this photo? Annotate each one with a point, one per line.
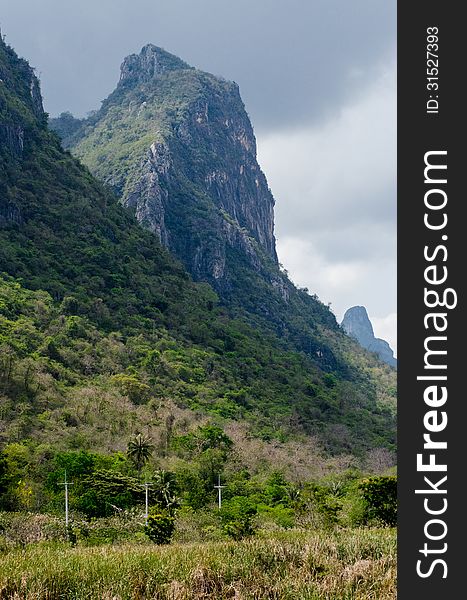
(139, 450)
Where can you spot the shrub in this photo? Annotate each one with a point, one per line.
(380, 499)
(124, 527)
(237, 517)
(160, 527)
(276, 490)
(279, 515)
(319, 500)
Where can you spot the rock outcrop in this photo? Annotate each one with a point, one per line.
(12, 137)
(358, 325)
(26, 86)
(185, 164)
(148, 65)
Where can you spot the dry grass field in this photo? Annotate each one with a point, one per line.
(344, 564)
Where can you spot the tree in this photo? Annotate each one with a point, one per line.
(160, 527)
(103, 491)
(380, 497)
(277, 489)
(237, 517)
(206, 437)
(129, 385)
(164, 490)
(140, 449)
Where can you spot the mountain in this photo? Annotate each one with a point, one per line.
(104, 333)
(177, 146)
(357, 324)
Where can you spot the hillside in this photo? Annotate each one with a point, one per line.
(103, 333)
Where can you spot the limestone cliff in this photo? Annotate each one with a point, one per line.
(20, 107)
(271, 354)
(183, 157)
(24, 84)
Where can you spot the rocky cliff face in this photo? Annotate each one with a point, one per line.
(20, 110)
(185, 163)
(358, 325)
(150, 63)
(24, 84)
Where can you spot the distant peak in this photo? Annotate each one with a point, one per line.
(358, 310)
(357, 324)
(151, 62)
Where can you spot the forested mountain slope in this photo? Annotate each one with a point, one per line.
(103, 333)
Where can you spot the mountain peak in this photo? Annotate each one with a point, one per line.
(357, 324)
(150, 63)
(185, 164)
(356, 319)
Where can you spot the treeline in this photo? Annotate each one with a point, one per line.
(102, 486)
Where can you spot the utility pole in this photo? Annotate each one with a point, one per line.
(219, 488)
(146, 486)
(66, 484)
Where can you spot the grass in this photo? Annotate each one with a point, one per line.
(295, 565)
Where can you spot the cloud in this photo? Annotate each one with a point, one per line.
(309, 267)
(335, 189)
(343, 283)
(386, 329)
(341, 172)
(295, 61)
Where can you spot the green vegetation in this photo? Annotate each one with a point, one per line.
(122, 374)
(168, 114)
(115, 334)
(380, 499)
(237, 517)
(66, 125)
(103, 485)
(160, 527)
(139, 450)
(61, 368)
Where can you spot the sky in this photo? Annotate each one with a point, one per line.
(318, 78)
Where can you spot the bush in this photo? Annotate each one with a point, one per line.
(319, 501)
(124, 527)
(380, 499)
(237, 517)
(279, 515)
(160, 527)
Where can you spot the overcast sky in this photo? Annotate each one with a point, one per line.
(318, 80)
